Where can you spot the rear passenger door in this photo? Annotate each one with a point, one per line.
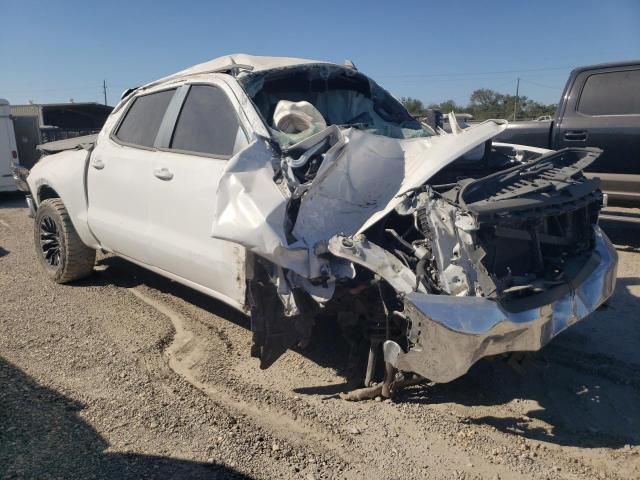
(119, 176)
(206, 135)
(605, 113)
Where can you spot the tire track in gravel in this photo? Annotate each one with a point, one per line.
(315, 423)
(185, 353)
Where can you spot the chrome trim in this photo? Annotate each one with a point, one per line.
(32, 206)
(449, 334)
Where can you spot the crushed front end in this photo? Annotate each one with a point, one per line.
(446, 336)
(502, 263)
(430, 250)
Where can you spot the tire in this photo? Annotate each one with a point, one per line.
(59, 249)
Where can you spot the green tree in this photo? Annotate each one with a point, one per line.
(413, 105)
(485, 103)
(448, 106)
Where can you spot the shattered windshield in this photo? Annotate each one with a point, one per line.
(316, 96)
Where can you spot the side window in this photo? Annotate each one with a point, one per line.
(207, 123)
(143, 119)
(611, 93)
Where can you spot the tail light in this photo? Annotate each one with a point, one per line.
(14, 154)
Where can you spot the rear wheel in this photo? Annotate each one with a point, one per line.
(58, 247)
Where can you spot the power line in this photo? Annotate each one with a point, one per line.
(500, 85)
(444, 80)
(540, 84)
(455, 74)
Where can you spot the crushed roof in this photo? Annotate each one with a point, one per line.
(253, 63)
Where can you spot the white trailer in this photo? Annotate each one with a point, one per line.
(8, 148)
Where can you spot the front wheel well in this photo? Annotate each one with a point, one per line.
(45, 192)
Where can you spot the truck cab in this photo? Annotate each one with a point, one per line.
(600, 108)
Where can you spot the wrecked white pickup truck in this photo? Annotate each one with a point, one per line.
(293, 188)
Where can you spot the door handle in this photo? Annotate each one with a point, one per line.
(97, 164)
(575, 135)
(163, 173)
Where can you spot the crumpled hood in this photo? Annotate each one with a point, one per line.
(357, 184)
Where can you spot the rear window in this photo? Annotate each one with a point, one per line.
(612, 93)
(207, 123)
(142, 121)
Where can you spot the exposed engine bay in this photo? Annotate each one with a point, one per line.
(375, 221)
(505, 235)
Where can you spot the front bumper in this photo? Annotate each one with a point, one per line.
(450, 334)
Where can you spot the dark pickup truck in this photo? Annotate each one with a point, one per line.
(600, 107)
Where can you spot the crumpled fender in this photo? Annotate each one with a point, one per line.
(250, 209)
(358, 183)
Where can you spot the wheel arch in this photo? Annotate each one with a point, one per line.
(45, 192)
(63, 176)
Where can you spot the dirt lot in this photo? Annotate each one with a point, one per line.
(128, 375)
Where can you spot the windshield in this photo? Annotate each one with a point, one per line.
(342, 95)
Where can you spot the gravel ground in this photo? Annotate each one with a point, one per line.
(129, 375)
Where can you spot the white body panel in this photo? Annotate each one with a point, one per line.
(118, 181)
(7, 148)
(64, 173)
(180, 217)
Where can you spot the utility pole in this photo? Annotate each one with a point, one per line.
(515, 107)
(104, 90)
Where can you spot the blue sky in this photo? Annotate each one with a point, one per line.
(53, 51)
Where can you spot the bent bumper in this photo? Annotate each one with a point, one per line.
(450, 334)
